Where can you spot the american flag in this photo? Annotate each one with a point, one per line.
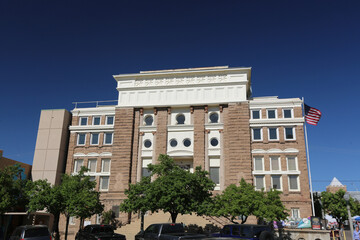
(312, 115)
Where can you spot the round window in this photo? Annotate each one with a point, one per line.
(214, 142)
(214, 117)
(187, 142)
(147, 143)
(173, 142)
(180, 118)
(148, 120)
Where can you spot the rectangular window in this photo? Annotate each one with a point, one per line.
(96, 120)
(98, 218)
(108, 138)
(258, 164)
(257, 134)
(289, 133)
(295, 213)
(105, 165)
(77, 165)
(83, 121)
(92, 178)
(81, 139)
(275, 163)
(104, 183)
(92, 165)
(109, 120)
(293, 183)
(255, 114)
(215, 174)
(276, 182)
(292, 164)
(259, 182)
(144, 170)
(94, 139)
(271, 113)
(287, 113)
(72, 220)
(273, 134)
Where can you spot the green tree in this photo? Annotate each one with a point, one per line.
(43, 196)
(174, 190)
(334, 204)
(12, 188)
(80, 198)
(271, 207)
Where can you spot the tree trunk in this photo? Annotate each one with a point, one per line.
(244, 220)
(173, 217)
(81, 223)
(67, 226)
(55, 228)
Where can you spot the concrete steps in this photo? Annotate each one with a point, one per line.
(130, 230)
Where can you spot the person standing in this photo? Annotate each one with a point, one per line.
(356, 233)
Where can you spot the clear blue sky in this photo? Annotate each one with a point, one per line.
(53, 53)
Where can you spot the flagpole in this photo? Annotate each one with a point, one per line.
(308, 160)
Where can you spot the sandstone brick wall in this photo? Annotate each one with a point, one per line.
(199, 137)
(237, 148)
(161, 132)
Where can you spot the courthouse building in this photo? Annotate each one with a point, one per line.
(199, 116)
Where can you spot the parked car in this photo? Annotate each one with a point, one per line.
(98, 231)
(246, 231)
(31, 232)
(166, 231)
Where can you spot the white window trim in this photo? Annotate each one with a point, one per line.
(100, 181)
(279, 160)
(91, 139)
(213, 112)
(293, 132)
(106, 119)
(90, 160)
(296, 163)
(262, 162)
(264, 183)
(267, 113)
(176, 121)
(291, 110)
(87, 121)
(281, 182)
(76, 161)
(258, 110)
(298, 183)
(148, 115)
(277, 134)
(298, 210)
(78, 139)
(93, 120)
(112, 138)
(102, 165)
(261, 134)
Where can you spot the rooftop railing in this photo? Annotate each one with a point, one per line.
(95, 104)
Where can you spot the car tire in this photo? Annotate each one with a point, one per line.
(266, 236)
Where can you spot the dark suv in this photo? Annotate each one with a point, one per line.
(31, 232)
(246, 231)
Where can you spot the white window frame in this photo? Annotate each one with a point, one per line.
(91, 139)
(102, 165)
(72, 220)
(146, 116)
(296, 163)
(112, 138)
(106, 119)
(93, 120)
(292, 213)
(78, 139)
(262, 163)
(87, 121)
(291, 112)
(261, 134)
(214, 162)
(88, 165)
(267, 113)
(279, 161)
(281, 182)
(297, 180)
(101, 180)
(255, 181)
(277, 134)
(76, 162)
(293, 132)
(255, 110)
(213, 112)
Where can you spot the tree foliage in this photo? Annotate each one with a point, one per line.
(244, 200)
(173, 190)
(12, 189)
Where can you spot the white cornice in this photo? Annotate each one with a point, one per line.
(93, 154)
(274, 102)
(276, 172)
(93, 111)
(214, 126)
(147, 129)
(276, 122)
(274, 151)
(91, 128)
(180, 128)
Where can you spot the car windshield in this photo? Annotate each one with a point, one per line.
(36, 232)
(104, 229)
(172, 228)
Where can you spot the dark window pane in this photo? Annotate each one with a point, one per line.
(214, 117)
(108, 138)
(173, 142)
(271, 114)
(36, 232)
(147, 143)
(96, 120)
(287, 113)
(187, 142)
(81, 138)
(149, 120)
(83, 121)
(95, 138)
(145, 172)
(273, 133)
(214, 174)
(110, 120)
(257, 134)
(214, 142)
(256, 114)
(289, 133)
(180, 119)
